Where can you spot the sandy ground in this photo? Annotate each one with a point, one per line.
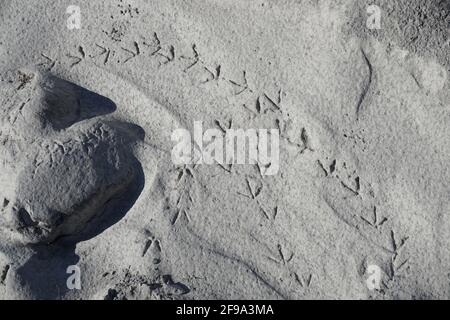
(87, 177)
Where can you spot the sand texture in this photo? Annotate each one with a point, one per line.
(87, 176)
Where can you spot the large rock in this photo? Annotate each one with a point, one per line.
(57, 172)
